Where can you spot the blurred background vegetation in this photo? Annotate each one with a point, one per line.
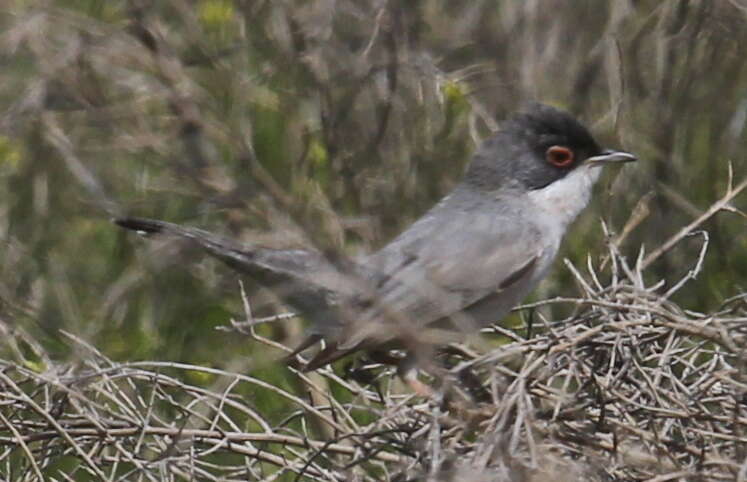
(332, 123)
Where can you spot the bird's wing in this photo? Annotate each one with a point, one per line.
(443, 265)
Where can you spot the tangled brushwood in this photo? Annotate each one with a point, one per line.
(629, 387)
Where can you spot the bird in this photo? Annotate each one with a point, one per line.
(462, 266)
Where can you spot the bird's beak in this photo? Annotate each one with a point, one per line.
(611, 157)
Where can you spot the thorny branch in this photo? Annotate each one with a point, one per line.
(722, 204)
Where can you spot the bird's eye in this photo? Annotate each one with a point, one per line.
(559, 156)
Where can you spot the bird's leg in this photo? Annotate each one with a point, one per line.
(466, 377)
(384, 357)
(407, 369)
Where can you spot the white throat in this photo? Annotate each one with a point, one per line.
(565, 198)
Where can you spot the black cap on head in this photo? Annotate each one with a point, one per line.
(533, 149)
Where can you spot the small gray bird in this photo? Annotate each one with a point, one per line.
(462, 266)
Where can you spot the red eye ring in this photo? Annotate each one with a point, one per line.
(559, 156)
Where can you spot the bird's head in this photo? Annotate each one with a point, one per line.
(536, 148)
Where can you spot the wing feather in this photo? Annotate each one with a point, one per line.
(443, 265)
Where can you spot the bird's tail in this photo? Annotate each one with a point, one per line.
(218, 246)
(296, 269)
(147, 226)
(301, 277)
